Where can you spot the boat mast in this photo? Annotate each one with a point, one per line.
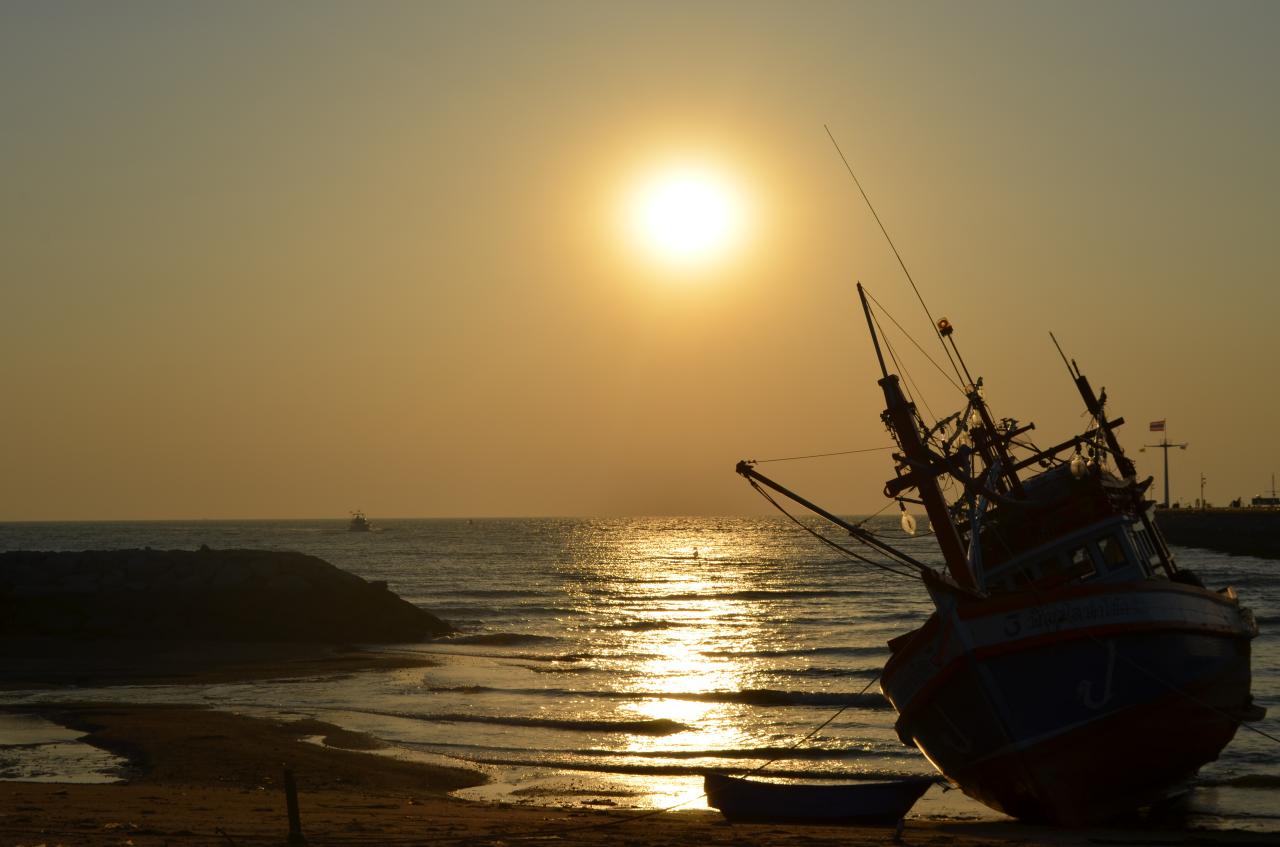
(902, 418)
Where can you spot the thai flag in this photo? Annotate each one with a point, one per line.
(1157, 426)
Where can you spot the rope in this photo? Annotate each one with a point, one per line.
(852, 556)
(815, 730)
(820, 455)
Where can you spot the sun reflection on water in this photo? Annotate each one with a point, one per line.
(693, 636)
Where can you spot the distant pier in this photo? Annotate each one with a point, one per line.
(1240, 532)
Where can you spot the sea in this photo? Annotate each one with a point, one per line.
(608, 663)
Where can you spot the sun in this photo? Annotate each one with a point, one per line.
(686, 215)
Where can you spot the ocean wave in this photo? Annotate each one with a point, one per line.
(540, 658)
(499, 639)
(802, 652)
(817, 754)
(823, 673)
(492, 592)
(556, 664)
(640, 626)
(678, 770)
(762, 594)
(1256, 780)
(773, 697)
(747, 696)
(492, 613)
(779, 753)
(653, 726)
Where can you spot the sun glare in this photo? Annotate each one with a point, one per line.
(686, 216)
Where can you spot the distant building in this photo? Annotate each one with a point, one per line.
(1268, 499)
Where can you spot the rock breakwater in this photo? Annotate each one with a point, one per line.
(206, 595)
(1240, 532)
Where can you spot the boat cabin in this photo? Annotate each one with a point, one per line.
(1068, 529)
(1115, 550)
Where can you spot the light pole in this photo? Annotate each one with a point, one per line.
(1165, 444)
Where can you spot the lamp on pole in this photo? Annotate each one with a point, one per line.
(1165, 444)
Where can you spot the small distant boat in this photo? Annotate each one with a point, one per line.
(847, 804)
(359, 523)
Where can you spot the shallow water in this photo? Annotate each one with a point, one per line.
(611, 661)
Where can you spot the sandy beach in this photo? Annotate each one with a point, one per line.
(204, 777)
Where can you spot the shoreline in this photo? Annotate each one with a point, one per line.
(206, 777)
(28, 664)
(199, 776)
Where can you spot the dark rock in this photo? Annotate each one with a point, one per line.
(211, 595)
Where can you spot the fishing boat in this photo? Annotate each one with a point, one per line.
(1070, 671)
(852, 804)
(359, 523)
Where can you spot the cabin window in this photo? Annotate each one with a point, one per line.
(1082, 563)
(1113, 552)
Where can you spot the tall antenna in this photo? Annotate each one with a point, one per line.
(936, 330)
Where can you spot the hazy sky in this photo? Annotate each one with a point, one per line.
(288, 260)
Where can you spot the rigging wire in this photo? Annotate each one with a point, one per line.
(912, 339)
(877, 513)
(893, 354)
(820, 455)
(855, 557)
(896, 254)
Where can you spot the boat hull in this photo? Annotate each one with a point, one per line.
(855, 804)
(1076, 719)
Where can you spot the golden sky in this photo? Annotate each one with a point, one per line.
(288, 260)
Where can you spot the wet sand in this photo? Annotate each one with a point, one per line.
(204, 777)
